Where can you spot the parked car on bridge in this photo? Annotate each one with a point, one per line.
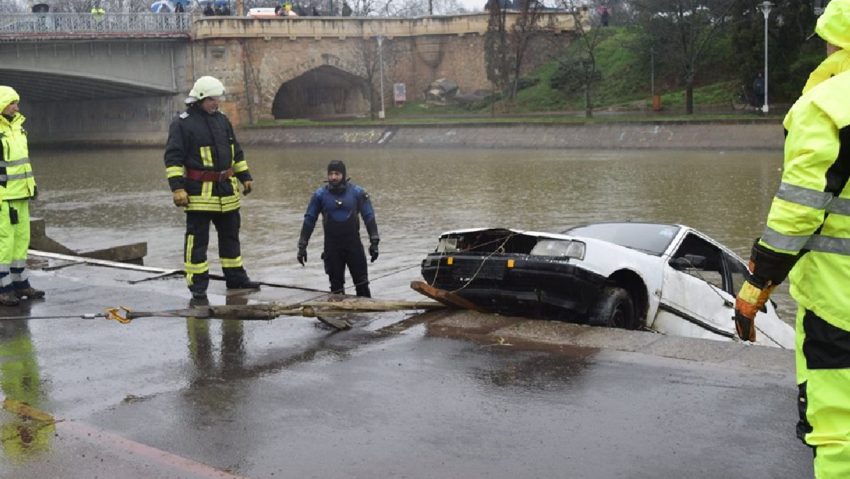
(662, 277)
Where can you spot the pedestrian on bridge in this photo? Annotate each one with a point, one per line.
(203, 162)
(340, 202)
(17, 187)
(807, 238)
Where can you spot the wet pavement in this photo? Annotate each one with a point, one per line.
(442, 394)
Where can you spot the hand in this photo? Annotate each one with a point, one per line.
(302, 254)
(180, 197)
(749, 301)
(247, 187)
(373, 250)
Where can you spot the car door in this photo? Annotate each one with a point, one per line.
(695, 298)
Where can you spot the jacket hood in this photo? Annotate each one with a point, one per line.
(7, 96)
(834, 24)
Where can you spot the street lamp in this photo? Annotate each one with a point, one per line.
(765, 9)
(381, 64)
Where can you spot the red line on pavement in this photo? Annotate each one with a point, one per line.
(112, 441)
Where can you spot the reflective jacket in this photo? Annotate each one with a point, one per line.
(810, 214)
(16, 178)
(198, 140)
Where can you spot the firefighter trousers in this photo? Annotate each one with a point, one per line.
(823, 379)
(196, 243)
(14, 243)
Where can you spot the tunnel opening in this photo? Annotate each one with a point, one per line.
(323, 92)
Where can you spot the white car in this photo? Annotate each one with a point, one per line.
(667, 278)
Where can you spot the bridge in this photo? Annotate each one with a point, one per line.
(132, 71)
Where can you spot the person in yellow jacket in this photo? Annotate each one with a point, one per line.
(17, 187)
(807, 239)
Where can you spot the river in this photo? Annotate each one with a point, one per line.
(98, 198)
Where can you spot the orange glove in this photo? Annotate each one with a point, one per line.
(180, 197)
(749, 301)
(247, 187)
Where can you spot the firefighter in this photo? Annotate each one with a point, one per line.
(339, 202)
(204, 164)
(808, 235)
(17, 187)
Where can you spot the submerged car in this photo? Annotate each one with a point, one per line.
(662, 277)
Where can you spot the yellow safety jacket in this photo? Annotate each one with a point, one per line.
(16, 178)
(810, 214)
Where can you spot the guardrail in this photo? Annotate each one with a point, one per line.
(109, 24)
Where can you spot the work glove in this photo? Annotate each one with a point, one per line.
(752, 297)
(247, 186)
(180, 197)
(373, 250)
(302, 253)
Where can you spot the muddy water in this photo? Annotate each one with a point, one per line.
(99, 198)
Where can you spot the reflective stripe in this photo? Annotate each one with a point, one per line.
(839, 206)
(198, 268)
(22, 161)
(778, 240)
(4, 269)
(19, 263)
(231, 262)
(206, 156)
(173, 171)
(19, 276)
(804, 196)
(19, 176)
(5, 280)
(240, 167)
(829, 244)
(190, 243)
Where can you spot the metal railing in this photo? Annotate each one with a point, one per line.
(88, 24)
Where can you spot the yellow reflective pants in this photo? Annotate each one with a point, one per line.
(823, 378)
(14, 243)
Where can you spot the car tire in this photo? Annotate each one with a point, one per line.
(614, 309)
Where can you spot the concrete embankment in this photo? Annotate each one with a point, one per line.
(690, 135)
(741, 135)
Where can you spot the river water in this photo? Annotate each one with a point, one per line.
(93, 199)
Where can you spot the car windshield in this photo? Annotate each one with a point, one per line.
(649, 238)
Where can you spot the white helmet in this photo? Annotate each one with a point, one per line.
(204, 87)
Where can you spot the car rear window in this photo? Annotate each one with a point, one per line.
(649, 238)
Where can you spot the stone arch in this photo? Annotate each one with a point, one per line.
(323, 92)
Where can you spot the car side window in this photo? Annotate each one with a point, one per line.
(737, 272)
(701, 259)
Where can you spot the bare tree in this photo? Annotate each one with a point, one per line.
(371, 58)
(505, 45)
(683, 31)
(580, 70)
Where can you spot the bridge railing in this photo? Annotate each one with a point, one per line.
(109, 24)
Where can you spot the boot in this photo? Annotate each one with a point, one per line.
(245, 284)
(29, 293)
(9, 299)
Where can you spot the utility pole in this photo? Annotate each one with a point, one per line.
(381, 66)
(765, 9)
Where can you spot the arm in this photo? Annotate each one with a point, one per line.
(368, 215)
(240, 165)
(175, 156)
(310, 218)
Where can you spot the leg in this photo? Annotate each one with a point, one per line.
(229, 250)
(7, 238)
(358, 268)
(823, 375)
(20, 278)
(334, 257)
(195, 252)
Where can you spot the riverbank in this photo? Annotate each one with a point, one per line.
(630, 135)
(699, 135)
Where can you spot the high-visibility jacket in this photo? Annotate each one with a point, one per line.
(810, 214)
(16, 178)
(198, 140)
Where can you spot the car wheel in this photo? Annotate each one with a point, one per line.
(614, 309)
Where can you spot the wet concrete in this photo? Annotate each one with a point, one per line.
(400, 395)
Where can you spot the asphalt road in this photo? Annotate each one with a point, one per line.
(399, 395)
